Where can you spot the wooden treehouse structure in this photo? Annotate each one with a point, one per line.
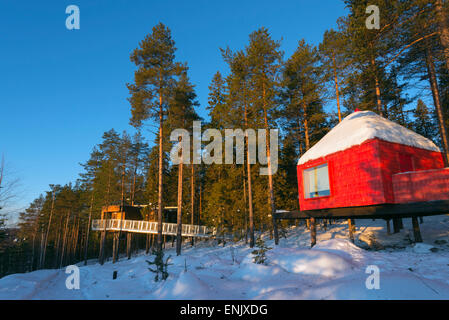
(368, 167)
(128, 220)
(118, 212)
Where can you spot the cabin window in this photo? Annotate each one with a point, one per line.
(316, 182)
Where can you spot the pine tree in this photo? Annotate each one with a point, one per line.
(444, 92)
(243, 115)
(424, 123)
(303, 96)
(31, 226)
(138, 154)
(332, 51)
(369, 51)
(265, 61)
(217, 101)
(421, 59)
(124, 152)
(45, 242)
(441, 8)
(161, 270)
(303, 113)
(181, 116)
(2, 233)
(152, 90)
(260, 254)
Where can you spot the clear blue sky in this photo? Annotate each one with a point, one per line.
(61, 89)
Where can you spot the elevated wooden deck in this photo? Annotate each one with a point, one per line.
(139, 226)
(382, 211)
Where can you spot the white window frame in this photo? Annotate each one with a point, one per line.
(306, 182)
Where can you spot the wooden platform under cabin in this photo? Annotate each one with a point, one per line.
(394, 212)
(382, 211)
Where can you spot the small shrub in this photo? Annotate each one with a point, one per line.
(260, 253)
(232, 254)
(282, 233)
(161, 266)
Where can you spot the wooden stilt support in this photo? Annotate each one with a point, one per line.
(416, 231)
(115, 247)
(129, 238)
(276, 232)
(396, 228)
(421, 220)
(147, 244)
(102, 243)
(351, 229)
(388, 227)
(401, 224)
(312, 232)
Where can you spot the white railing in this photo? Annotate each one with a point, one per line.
(188, 230)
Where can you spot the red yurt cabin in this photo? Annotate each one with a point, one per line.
(369, 160)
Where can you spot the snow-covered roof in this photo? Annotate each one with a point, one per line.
(361, 126)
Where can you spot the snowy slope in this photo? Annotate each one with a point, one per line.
(361, 126)
(333, 269)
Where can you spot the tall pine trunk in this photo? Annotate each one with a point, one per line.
(33, 243)
(116, 254)
(64, 240)
(250, 194)
(160, 177)
(75, 240)
(86, 245)
(306, 126)
(245, 201)
(270, 175)
(376, 87)
(437, 102)
(192, 197)
(44, 249)
(337, 91)
(133, 188)
(200, 207)
(58, 243)
(179, 211)
(443, 29)
(309, 222)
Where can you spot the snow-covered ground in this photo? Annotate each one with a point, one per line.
(334, 269)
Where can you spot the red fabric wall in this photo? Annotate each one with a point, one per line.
(354, 178)
(425, 185)
(391, 155)
(362, 175)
